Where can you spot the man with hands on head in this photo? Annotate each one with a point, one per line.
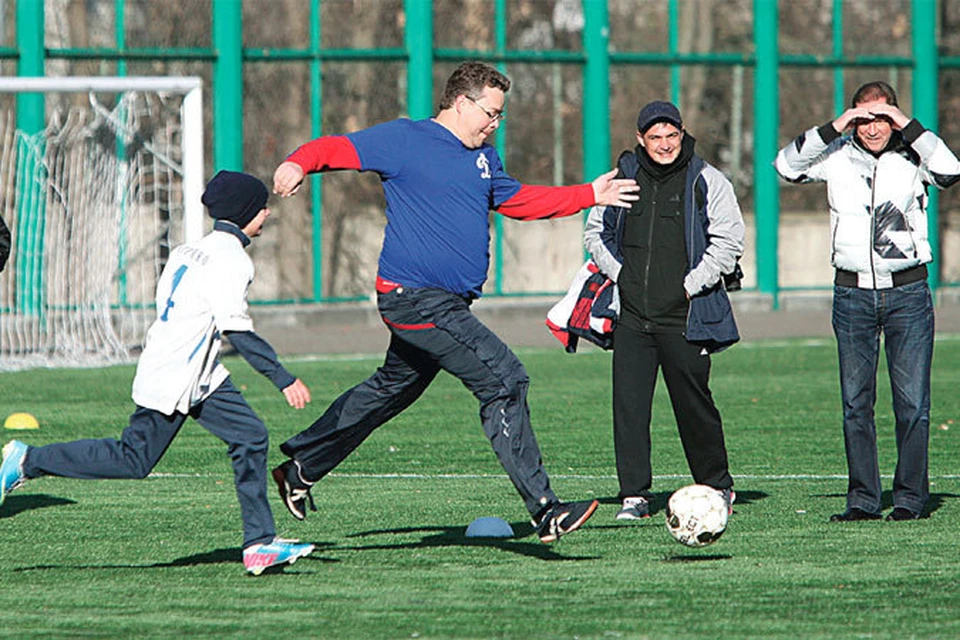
(440, 181)
(878, 176)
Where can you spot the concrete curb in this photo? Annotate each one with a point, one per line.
(355, 327)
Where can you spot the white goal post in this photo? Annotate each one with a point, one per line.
(94, 202)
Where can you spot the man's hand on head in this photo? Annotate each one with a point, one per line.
(896, 117)
(849, 118)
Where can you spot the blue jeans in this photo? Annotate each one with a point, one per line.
(905, 317)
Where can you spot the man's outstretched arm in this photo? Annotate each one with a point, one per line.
(327, 153)
(533, 202)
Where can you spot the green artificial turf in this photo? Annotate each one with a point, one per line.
(161, 557)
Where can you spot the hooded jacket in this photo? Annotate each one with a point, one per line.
(713, 242)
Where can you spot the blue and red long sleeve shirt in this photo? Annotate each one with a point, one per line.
(439, 194)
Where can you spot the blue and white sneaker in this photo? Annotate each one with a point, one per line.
(11, 472)
(258, 557)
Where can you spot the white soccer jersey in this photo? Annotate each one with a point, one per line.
(201, 293)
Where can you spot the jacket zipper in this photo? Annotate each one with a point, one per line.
(873, 221)
(646, 268)
(913, 241)
(619, 237)
(833, 242)
(689, 227)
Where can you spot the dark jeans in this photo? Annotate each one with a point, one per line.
(225, 414)
(905, 317)
(432, 330)
(637, 356)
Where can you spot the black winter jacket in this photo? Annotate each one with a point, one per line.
(714, 236)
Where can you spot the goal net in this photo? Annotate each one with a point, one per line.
(94, 202)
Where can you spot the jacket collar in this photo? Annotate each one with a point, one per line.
(232, 229)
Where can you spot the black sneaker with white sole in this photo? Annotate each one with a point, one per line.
(634, 508)
(294, 490)
(563, 518)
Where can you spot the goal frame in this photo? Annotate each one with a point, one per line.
(79, 323)
(191, 113)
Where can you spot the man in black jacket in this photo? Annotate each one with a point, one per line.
(668, 253)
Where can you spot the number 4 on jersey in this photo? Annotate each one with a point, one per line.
(176, 281)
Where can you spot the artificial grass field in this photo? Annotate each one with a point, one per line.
(161, 557)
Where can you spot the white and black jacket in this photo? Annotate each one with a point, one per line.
(878, 203)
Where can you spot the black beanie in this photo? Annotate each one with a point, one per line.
(658, 111)
(233, 196)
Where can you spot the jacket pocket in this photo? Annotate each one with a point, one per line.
(709, 309)
(711, 322)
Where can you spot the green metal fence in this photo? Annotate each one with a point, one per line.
(420, 55)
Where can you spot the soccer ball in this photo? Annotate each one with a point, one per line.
(697, 515)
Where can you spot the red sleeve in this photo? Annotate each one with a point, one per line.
(538, 202)
(326, 154)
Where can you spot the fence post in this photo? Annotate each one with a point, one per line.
(925, 97)
(316, 130)
(596, 88)
(500, 44)
(30, 120)
(766, 126)
(419, 41)
(228, 85)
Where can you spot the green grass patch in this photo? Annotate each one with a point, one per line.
(161, 557)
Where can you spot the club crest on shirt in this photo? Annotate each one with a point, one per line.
(484, 165)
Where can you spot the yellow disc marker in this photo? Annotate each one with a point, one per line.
(21, 421)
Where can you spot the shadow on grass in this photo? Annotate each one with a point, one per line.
(456, 537)
(713, 557)
(231, 556)
(223, 556)
(935, 501)
(659, 501)
(18, 504)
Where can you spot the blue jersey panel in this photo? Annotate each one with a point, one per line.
(439, 194)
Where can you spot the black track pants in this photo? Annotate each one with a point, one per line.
(432, 330)
(686, 370)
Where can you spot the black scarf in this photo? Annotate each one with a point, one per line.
(659, 171)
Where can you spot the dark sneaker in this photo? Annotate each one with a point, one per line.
(563, 518)
(902, 513)
(294, 490)
(634, 508)
(854, 514)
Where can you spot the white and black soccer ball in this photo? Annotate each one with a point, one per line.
(697, 515)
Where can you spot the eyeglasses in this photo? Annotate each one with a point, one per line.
(493, 115)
